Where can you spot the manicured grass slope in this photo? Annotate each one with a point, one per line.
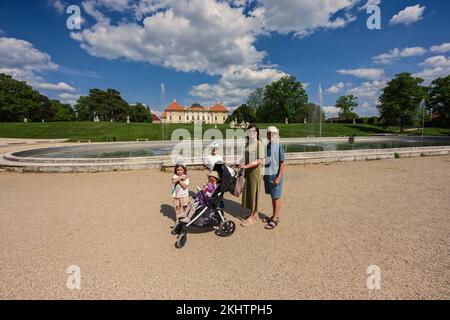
(102, 131)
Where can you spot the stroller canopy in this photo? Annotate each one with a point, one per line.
(227, 178)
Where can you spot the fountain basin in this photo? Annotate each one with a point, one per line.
(97, 157)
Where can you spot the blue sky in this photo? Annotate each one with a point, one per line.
(207, 50)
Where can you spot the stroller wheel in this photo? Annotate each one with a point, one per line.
(181, 240)
(177, 229)
(227, 228)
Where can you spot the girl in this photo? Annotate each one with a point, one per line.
(209, 188)
(180, 191)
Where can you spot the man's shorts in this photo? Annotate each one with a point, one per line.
(270, 188)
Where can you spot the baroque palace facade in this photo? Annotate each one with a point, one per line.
(176, 113)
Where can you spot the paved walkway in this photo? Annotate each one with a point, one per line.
(338, 219)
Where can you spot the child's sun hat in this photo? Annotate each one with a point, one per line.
(214, 174)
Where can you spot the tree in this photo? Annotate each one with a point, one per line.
(18, 101)
(347, 104)
(399, 102)
(140, 113)
(83, 109)
(63, 112)
(104, 104)
(243, 113)
(439, 98)
(255, 99)
(312, 113)
(283, 99)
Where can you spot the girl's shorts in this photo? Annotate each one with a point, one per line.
(181, 202)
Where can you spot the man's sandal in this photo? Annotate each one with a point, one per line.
(272, 224)
(266, 219)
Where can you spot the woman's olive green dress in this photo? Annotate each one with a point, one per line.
(252, 186)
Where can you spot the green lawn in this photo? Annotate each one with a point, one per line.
(102, 131)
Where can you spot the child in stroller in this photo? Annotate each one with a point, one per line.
(202, 197)
(206, 209)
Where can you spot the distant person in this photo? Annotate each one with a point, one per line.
(213, 158)
(180, 191)
(273, 174)
(254, 155)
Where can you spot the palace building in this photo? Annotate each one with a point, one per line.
(176, 113)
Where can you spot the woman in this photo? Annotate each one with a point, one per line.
(254, 155)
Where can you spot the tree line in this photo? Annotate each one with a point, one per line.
(285, 100)
(281, 101)
(19, 101)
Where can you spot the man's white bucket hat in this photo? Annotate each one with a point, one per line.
(272, 129)
(214, 145)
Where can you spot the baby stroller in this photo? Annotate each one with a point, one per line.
(211, 213)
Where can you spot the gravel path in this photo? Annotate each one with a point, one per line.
(337, 220)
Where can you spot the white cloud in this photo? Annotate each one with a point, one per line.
(213, 37)
(303, 17)
(24, 62)
(61, 86)
(94, 7)
(68, 98)
(367, 109)
(397, 53)
(370, 3)
(408, 15)
(235, 85)
(445, 47)
(15, 53)
(436, 61)
(336, 88)
(187, 36)
(434, 67)
(368, 73)
(331, 111)
(190, 36)
(369, 89)
(58, 5)
(146, 7)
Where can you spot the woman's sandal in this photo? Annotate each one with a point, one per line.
(272, 224)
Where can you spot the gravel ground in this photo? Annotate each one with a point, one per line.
(337, 220)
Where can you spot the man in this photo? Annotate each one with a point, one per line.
(273, 175)
(211, 159)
